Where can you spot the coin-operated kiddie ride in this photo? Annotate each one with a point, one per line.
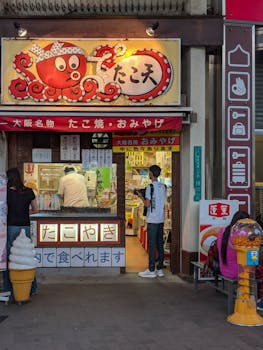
(246, 237)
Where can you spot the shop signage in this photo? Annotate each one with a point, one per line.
(80, 257)
(238, 114)
(80, 233)
(244, 10)
(89, 124)
(218, 210)
(197, 173)
(159, 141)
(3, 223)
(213, 215)
(91, 72)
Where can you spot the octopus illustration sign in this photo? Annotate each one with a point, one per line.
(91, 72)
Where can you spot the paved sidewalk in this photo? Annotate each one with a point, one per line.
(123, 312)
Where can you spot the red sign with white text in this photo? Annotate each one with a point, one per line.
(219, 209)
(89, 124)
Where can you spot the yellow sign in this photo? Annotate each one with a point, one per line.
(91, 72)
(155, 141)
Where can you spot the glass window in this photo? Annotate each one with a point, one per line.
(44, 179)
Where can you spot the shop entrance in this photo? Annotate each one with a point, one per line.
(137, 177)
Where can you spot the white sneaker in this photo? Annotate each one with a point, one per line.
(147, 274)
(160, 273)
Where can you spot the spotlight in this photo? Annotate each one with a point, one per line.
(21, 32)
(151, 29)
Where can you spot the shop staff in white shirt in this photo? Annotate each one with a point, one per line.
(72, 188)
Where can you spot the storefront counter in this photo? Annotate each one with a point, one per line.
(91, 238)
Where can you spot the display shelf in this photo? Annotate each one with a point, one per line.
(47, 189)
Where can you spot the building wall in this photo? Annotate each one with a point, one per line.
(194, 135)
(196, 34)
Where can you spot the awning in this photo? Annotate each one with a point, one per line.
(91, 123)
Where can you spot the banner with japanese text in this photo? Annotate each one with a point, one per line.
(91, 72)
(152, 141)
(89, 124)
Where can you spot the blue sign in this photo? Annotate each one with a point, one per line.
(252, 257)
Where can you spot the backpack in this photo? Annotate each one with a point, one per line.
(212, 262)
(145, 209)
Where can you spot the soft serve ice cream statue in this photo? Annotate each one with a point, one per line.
(22, 255)
(22, 266)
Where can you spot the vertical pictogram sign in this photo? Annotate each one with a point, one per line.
(238, 114)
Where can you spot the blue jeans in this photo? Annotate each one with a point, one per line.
(155, 241)
(12, 233)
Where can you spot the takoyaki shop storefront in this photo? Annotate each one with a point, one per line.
(110, 108)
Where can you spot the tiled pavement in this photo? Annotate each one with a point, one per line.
(122, 312)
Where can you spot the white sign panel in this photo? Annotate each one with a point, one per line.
(41, 155)
(70, 147)
(3, 224)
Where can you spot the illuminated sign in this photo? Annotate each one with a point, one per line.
(69, 232)
(115, 72)
(155, 141)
